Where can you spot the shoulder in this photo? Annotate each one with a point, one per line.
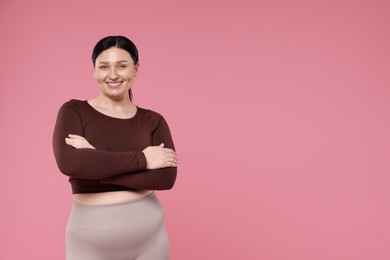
(74, 104)
(148, 113)
(73, 107)
(155, 119)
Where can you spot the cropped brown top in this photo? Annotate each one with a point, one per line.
(118, 162)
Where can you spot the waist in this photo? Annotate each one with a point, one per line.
(109, 198)
(94, 186)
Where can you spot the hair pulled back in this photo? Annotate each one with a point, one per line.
(120, 42)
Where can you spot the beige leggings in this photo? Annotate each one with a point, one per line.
(130, 231)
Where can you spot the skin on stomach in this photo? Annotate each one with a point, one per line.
(109, 198)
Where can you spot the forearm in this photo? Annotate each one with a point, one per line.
(89, 163)
(159, 179)
(96, 164)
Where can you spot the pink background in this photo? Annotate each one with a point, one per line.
(279, 111)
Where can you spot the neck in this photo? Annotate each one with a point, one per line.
(120, 104)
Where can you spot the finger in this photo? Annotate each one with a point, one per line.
(171, 164)
(169, 150)
(76, 136)
(74, 142)
(171, 157)
(70, 142)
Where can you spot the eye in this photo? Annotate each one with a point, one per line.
(122, 66)
(103, 67)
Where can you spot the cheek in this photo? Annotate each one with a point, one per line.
(96, 74)
(99, 76)
(128, 75)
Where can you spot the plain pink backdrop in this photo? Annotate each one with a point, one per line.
(279, 111)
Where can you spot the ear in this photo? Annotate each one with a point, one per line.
(136, 67)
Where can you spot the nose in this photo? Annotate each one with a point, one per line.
(113, 74)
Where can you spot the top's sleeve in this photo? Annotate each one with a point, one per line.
(157, 179)
(88, 163)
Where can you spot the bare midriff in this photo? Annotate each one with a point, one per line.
(109, 198)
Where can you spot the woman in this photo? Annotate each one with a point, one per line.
(115, 154)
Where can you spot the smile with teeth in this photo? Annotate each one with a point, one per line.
(114, 84)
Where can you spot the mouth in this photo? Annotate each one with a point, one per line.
(114, 84)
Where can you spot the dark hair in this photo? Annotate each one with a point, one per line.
(120, 42)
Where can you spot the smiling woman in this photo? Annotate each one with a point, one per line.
(115, 154)
(113, 58)
(115, 72)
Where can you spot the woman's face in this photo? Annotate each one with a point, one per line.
(115, 72)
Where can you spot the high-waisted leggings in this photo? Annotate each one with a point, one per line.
(129, 231)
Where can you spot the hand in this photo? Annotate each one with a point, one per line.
(78, 142)
(159, 157)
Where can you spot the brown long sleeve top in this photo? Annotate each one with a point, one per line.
(118, 162)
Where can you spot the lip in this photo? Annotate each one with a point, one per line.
(114, 84)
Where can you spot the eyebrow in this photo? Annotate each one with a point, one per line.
(105, 62)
